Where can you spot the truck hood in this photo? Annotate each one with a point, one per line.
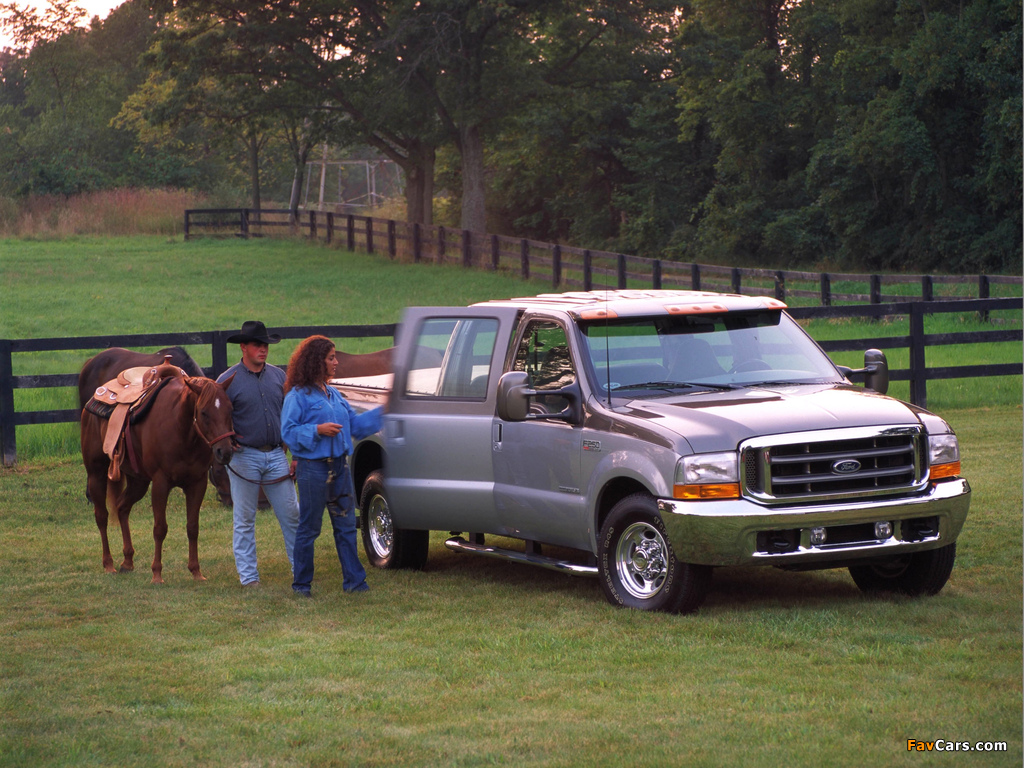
(719, 421)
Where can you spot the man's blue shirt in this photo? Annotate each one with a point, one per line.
(256, 400)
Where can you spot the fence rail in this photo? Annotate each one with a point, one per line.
(568, 268)
(918, 374)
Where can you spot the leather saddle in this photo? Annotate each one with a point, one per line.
(129, 394)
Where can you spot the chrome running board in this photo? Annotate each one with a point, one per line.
(459, 544)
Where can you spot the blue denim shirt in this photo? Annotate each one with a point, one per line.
(256, 400)
(305, 408)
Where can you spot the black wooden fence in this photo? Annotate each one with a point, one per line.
(10, 418)
(918, 374)
(568, 268)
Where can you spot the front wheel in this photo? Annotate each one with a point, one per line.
(921, 573)
(638, 567)
(385, 545)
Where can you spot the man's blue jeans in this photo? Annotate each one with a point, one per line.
(327, 484)
(248, 468)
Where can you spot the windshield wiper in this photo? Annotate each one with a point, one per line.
(673, 385)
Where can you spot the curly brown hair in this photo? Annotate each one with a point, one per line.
(307, 366)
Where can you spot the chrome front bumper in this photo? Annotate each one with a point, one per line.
(727, 532)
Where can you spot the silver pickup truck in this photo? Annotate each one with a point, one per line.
(647, 437)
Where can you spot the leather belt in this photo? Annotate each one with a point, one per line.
(264, 448)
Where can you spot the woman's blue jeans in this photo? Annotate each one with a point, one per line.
(327, 484)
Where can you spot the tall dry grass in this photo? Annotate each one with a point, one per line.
(108, 212)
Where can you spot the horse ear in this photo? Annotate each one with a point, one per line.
(192, 383)
(227, 382)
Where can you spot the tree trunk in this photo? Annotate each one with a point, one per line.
(254, 168)
(474, 204)
(419, 184)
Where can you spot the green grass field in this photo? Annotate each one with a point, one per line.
(472, 662)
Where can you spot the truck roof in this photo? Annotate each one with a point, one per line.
(593, 305)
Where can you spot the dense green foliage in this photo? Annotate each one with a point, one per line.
(846, 134)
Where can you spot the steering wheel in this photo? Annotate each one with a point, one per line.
(754, 364)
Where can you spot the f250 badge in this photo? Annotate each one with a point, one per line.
(591, 445)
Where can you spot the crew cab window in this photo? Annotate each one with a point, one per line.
(452, 358)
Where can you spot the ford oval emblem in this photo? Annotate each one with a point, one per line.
(845, 466)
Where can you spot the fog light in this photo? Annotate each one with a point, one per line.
(883, 529)
(818, 537)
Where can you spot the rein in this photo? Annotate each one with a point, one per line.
(260, 483)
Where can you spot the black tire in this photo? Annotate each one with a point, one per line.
(920, 573)
(637, 565)
(387, 546)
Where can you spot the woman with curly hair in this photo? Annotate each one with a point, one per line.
(318, 425)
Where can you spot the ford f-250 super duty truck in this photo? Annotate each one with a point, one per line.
(657, 435)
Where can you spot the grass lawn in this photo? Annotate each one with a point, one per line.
(472, 662)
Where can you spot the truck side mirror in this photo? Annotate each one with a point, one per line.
(514, 395)
(876, 371)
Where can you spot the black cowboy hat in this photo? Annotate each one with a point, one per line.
(253, 330)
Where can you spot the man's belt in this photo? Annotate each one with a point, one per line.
(264, 448)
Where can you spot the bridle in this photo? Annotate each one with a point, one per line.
(195, 423)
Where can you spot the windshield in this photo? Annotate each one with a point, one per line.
(703, 351)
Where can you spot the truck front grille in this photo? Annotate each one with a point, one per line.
(834, 464)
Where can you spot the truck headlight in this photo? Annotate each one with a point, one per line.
(943, 456)
(707, 476)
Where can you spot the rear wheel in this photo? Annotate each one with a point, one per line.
(920, 573)
(638, 567)
(387, 546)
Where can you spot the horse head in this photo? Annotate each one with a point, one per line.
(212, 418)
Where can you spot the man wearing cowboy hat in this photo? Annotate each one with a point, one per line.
(257, 394)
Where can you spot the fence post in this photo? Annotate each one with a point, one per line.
(556, 265)
(467, 249)
(369, 235)
(918, 381)
(8, 441)
(695, 277)
(392, 239)
(245, 223)
(876, 289)
(417, 243)
(495, 252)
(780, 285)
(983, 293)
(312, 225)
(441, 246)
(826, 290)
(736, 280)
(524, 258)
(187, 221)
(350, 227)
(330, 227)
(219, 353)
(656, 275)
(621, 269)
(927, 288)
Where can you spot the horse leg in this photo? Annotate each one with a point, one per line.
(130, 492)
(193, 501)
(97, 484)
(161, 490)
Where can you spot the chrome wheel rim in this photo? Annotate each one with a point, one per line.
(382, 534)
(641, 560)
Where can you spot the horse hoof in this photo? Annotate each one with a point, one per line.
(158, 580)
(125, 568)
(110, 568)
(198, 577)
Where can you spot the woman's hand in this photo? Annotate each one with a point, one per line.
(330, 429)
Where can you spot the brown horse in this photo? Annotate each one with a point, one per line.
(104, 366)
(187, 427)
